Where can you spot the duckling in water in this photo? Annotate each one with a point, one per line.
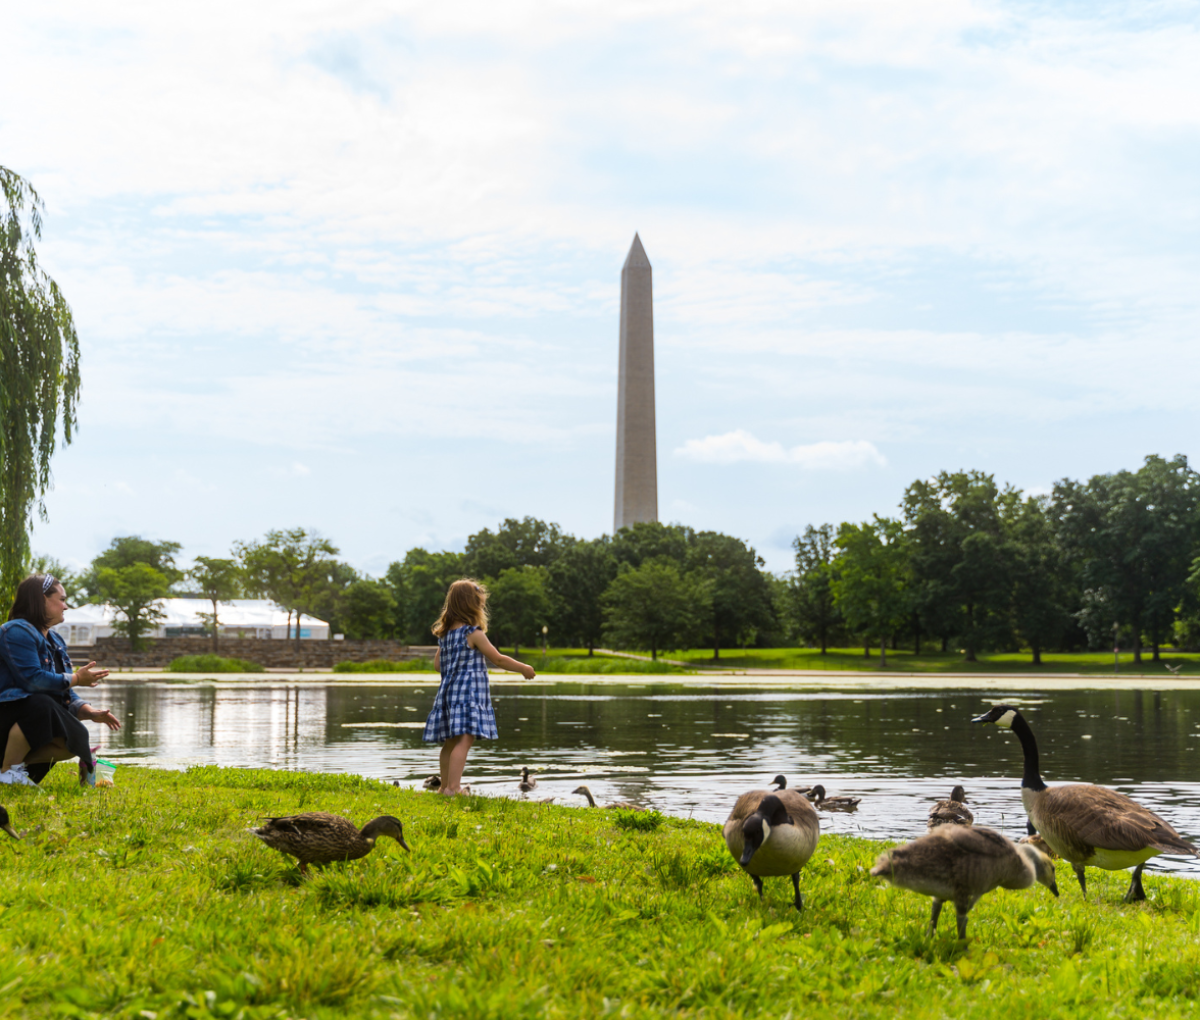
(583, 791)
(526, 784)
(961, 863)
(321, 838)
(825, 803)
(772, 834)
(951, 812)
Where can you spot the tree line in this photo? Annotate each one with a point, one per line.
(966, 565)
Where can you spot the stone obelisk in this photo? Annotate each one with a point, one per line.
(637, 462)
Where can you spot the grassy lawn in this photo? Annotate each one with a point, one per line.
(556, 660)
(151, 900)
(903, 661)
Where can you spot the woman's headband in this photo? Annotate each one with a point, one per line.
(48, 582)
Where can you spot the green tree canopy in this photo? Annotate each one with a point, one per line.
(135, 592)
(524, 543)
(869, 586)
(653, 606)
(576, 584)
(647, 540)
(739, 596)
(812, 585)
(419, 584)
(368, 610)
(125, 552)
(39, 375)
(297, 569)
(217, 580)
(518, 606)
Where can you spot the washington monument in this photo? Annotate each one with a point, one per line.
(637, 464)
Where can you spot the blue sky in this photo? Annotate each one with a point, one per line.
(355, 266)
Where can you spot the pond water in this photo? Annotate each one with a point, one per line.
(690, 749)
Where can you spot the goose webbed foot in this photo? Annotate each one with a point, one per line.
(1082, 879)
(1136, 892)
(757, 885)
(934, 914)
(799, 901)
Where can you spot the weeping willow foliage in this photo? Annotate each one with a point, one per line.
(39, 376)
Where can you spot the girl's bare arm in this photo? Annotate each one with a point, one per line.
(479, 641)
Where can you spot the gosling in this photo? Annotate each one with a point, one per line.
(962, 863)
(951, 812)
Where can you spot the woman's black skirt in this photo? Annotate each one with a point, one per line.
(42, 718)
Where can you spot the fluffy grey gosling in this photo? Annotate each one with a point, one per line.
(1089, 826)
(960, 864)
(951, 812)
(772, 834)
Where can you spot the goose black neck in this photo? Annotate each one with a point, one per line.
(1032, 779)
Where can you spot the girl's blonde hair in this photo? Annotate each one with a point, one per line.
(466, 603)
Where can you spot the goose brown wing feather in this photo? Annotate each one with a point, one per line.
(799, 807)
(748, 802)
(1104, 818)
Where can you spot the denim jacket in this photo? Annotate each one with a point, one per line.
(30, 663)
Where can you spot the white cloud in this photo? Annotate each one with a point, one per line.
(740, 445)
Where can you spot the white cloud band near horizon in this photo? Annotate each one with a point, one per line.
(740, 446)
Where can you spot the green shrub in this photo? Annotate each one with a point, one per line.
(600, 664)
(386, 666)
(212, 664)
(639, 821)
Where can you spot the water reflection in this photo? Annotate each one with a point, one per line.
(690, 749)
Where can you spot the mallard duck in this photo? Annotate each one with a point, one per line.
(321, 838)
(432, 783)
(961, 863)
(583, 791)
(772, 834)
(951, 812)
(825, 803)
(525, 784)
(1088, 825)
(6, 824)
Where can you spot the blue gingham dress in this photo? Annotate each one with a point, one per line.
(463, 703)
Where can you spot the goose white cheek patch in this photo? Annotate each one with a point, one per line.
(766, 830)
(1006, 720)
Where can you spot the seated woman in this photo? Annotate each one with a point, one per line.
(40, 713)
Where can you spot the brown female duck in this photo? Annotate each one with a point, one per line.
(321, 838)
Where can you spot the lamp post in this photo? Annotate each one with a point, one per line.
(1116, 649)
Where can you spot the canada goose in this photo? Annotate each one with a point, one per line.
(525, 784)
(960, 863)
(583, 791)
(321, 838)
(818, 797)
(951, 812)
(432, 783)
(1035, 840)
(6, 825)
(780, 783)
(772, 834)
(1086, 824)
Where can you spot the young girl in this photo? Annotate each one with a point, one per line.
(462, 709)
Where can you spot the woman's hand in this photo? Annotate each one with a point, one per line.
(88, 676)
(99, 715)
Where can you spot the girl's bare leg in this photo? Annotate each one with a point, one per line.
(444, 761)
(456, 762)
(16, 748)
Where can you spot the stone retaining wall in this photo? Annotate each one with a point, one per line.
(115, 652)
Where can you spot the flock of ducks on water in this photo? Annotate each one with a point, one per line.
(773, 833)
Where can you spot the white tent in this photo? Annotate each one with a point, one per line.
(252, 618)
